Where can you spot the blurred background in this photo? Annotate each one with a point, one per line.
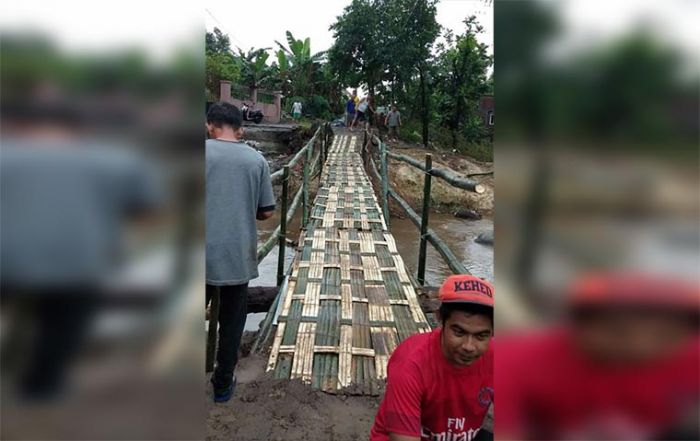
(102, 208)
(597, 185)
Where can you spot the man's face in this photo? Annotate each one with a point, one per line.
(465, 337)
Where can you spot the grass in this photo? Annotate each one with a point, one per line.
(441, 139)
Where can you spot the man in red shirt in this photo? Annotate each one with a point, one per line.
(624, 366)
(440, 384)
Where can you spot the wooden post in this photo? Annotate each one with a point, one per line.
(322, 153)
(385, 183)
(424, 220)
(211, 332)
(365, 150)
(283, 225)
(307, 170)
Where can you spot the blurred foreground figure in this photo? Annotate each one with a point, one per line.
(64, 200)
(624, 366)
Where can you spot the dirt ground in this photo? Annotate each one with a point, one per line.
(445, 198)
(265, 408)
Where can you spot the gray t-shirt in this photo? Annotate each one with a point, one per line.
(64, 207)
(237, 186)
(393, 118)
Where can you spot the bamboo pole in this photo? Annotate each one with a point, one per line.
(305, 185)
(270, 243)
(452, 178)
(283, 225)
(322, 150)
(452, 261)
(374, 170)
(385, 184)
(424, 219)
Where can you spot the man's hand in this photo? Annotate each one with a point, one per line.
(263, 215)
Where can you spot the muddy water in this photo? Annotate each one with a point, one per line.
(459, 234)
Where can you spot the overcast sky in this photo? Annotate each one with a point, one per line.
(259, 23)
(160, 25)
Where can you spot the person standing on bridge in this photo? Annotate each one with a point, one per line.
(362, 110)
(238, 191)
(350, 111)
(440, 384)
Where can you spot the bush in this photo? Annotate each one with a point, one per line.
(481, 151)
(441, 137)
(319, 107)
(410, 131)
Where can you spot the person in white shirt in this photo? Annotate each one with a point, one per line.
(296, 110)
(361, 115)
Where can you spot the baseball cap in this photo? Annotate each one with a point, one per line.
(465, 288)
(633, 289)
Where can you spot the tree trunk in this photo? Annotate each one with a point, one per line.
(456, 79)
(424, 105)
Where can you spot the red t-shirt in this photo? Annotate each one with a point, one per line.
(426, 396)
(553, 392)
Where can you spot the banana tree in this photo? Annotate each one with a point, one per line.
(299, 64)
(254, 68)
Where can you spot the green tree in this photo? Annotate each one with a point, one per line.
(388, 42)
(255, 71)
(462, 67)
(220, 63)
(356, 56)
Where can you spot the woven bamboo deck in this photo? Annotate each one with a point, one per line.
(349, 300)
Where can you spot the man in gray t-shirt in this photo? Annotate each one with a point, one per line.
(238, 191)
(393, 120)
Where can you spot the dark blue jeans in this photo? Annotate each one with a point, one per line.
(233, 305)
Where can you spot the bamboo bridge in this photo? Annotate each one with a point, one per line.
(347, 300)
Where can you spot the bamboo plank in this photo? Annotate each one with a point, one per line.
(274, 353)
(288, 298)
(414, 306)
(345, 357)
(371, 268)
(309, 356)
(313, 291)
(346, 302)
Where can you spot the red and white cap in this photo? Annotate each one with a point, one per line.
(465, 288)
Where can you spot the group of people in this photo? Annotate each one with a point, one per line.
(624, 363)
(358, 110)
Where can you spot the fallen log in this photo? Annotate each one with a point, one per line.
(448, 175)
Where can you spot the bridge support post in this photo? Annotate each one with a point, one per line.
(424, 219)
(283, 226)
(322, 152)
(385, 183)
(307, 169)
